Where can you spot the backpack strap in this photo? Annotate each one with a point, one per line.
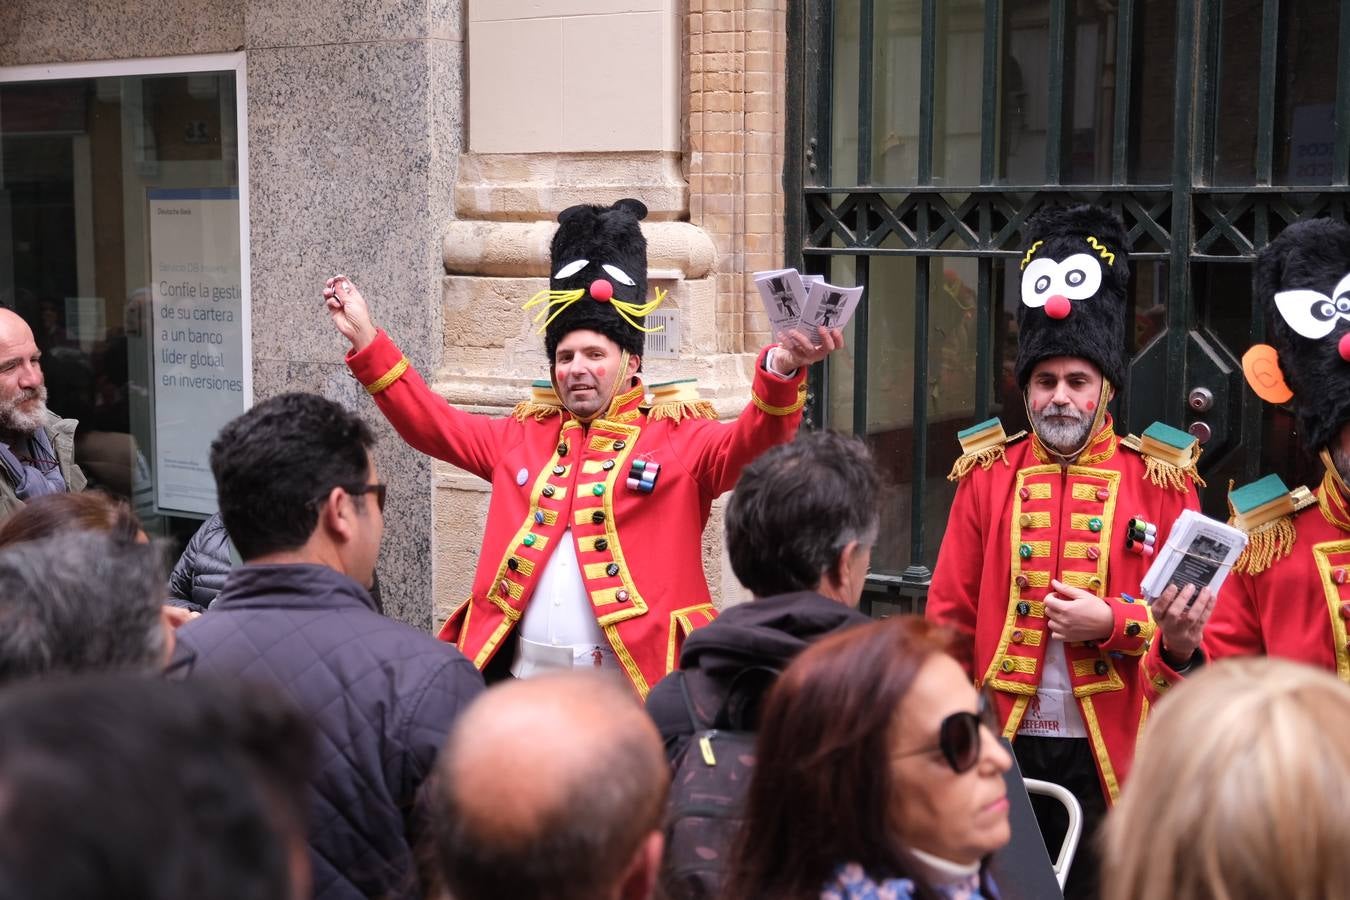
(740, 708)
(698, 723)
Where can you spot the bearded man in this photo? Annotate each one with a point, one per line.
(592, 555)
(1049, 538)
(1290, 596)
(37, 447)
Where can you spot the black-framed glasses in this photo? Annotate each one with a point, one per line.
(959, 736)
(378, 489)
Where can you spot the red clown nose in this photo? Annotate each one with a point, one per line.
(601, 290)
(1057, 307)
(1344, 346)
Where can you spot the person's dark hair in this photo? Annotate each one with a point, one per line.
(138, 787)
(580, 846)
(796, 507)
(57, 513)
(276, 463)
(822, 788)
(81, 601)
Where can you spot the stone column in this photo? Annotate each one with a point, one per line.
(354, 119)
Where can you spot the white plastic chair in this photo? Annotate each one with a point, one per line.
(1069, 847)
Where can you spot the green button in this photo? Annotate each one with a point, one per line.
(598, 490)
(1024, 551)
(529, 540)
(1094, 524)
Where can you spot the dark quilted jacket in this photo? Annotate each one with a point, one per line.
(382, 696)
(202, 569)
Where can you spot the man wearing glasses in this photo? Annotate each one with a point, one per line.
(303, 504)
(37, 447)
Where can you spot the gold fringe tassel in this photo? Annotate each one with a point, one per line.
(1265, 545)
(966, 463)
(1165, 474)
(527, 409)
(677, 410)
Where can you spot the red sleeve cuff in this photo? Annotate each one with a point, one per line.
(773, 393)
(375, 361)
(1133, 626)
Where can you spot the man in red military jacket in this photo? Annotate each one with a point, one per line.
(1049, 537)
(1291, 595)
(592, 555)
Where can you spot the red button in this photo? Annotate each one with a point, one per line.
(1345, 609)
(1017, 637)
(1103, 494)
(1338, 576)
(1023, 581)
(1094, 553)
(505, 588)
(1024, 493)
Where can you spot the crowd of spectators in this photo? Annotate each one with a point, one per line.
(292, 742)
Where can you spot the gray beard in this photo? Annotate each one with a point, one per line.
(17, 421)
(1341, 458)
(1060, 436)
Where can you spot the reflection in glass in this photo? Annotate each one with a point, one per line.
(1305, 94)
(79, 157)
(1024, 91)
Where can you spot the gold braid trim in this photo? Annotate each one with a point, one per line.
(389, 377)
(780, 410)
(679, 409)
(531, 409)
(1166, 475)
(1266, 544)
(966, 463)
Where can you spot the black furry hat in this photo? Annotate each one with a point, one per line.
(1303, 278)
(596, 246)
(1075, 269)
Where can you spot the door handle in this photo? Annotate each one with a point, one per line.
(1200, 399)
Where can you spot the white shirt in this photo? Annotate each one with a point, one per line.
(1053, 711)
(558, 629)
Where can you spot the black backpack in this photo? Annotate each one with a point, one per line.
(707, 794)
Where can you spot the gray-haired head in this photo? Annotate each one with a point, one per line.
(797, 507)
(82, 601)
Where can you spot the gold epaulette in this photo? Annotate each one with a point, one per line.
(1170, 455)
(543, 403)
(1265, 510)
(981, 445)
(676, 400)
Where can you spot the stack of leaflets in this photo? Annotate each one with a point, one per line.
(1199, 551)
(793, 300)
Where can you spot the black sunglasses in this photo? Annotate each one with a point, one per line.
(959, 736)
(358, 489)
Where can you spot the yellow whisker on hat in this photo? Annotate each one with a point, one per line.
(631, 312)
(553, 303)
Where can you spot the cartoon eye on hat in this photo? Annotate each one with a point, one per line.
(1314, 315)
(1054, 283)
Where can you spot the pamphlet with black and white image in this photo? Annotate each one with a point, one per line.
(784, 295)
(1199, 551)
(828, 306)
(793, 300)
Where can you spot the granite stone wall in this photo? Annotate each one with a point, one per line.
(355, 123)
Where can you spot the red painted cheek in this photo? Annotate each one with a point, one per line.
(600, 373)
(1091, 405)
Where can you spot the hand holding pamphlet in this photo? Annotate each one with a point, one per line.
(1199, 551)
(792, 300)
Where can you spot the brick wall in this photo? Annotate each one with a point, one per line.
(736, 119)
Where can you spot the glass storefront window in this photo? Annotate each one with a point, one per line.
(121, 228)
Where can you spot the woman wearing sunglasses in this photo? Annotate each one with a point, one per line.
(877, 776)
